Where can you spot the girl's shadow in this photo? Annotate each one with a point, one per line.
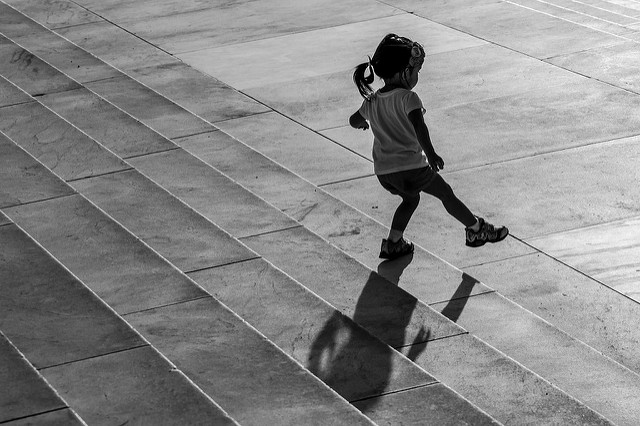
(337, 356)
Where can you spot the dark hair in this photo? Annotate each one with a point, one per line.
(391, 56)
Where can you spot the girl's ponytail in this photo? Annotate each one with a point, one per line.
(364, 82)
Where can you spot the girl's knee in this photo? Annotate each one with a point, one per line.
(440, 189)
(411, 201)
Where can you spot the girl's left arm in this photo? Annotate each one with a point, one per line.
(357, 121)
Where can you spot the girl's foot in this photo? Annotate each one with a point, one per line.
(391, 250)
(486, 234)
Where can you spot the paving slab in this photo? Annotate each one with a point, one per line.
(608, 253)
(67, 57)
(15, 23)
(447, 79)
(137, 386)
(116, 265)
(115, 46)
(513, 26)
(65, 150)
(493, 130)
(64, 417)
(116, 130)
(375, 303)
(481, 373)
(602, 195)
(198, 92)
(11, 95)
(330, 345)
(612, 64)
(24, 392)
(154, 110)
(50, 316)
(296, 147)
(121, 10)
(253, 381)
(272, 182)
(222, 25)
(55, 13)
(585, 15)
(328, 43)
(212, 194)
(175, 231)
(24, 178)
(385, 409)
(55, 50)
(584, 373)
(575, 303)
(29, 72)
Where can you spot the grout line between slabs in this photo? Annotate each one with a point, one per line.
(148, 154)
(179, 302)
(144, 345)
(321, 185)
(41, 413)
(177, 138)
(484, 293)
(275, 231)
(435, 382)
(408, 345)
(206, 268)
(26, 203)
(113, 172)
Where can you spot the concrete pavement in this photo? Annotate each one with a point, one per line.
(189, 222)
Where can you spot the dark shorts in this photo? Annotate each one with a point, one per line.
(407, 183)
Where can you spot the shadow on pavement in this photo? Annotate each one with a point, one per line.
(339, 354)
(458, 301)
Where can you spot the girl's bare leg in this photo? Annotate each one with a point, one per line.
(456, 208)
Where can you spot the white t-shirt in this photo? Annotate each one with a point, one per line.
(395, 144)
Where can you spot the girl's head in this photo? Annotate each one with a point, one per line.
(394, 55)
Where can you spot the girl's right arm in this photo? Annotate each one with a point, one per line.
(416, 118)
(357, 121)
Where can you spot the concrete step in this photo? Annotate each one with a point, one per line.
(234, 191)
(354, 228)
(346, 229)
(229, 219)
(61, 327)
(25, 180)
(25, 395)
(63, 148)
(86, 351)
(172, 170)
(195, 245)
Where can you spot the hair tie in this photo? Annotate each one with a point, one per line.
(369, 79)
(417, 54)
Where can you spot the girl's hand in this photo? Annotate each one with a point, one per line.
(357, 121)
(435, 161)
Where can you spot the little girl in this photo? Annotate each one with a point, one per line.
(403, 158)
